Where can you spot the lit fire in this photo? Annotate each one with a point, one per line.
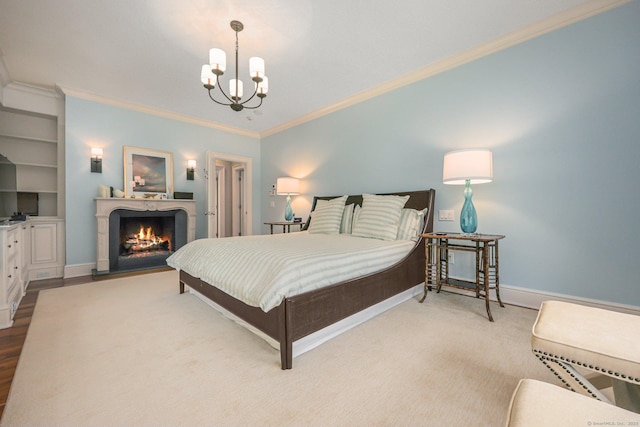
(146, 240)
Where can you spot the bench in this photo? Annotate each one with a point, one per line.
(590, 349)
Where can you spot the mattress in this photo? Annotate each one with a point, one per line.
(262, 270)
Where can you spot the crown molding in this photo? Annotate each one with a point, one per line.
(548, 25)
(154, 111)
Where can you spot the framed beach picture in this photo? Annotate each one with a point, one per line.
(148, 173)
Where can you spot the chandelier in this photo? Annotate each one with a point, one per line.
(211, 73)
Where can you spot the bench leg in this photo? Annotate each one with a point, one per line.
(627, 395)
(571, 378)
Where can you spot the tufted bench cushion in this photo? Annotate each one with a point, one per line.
(600, 340)
(538, 404)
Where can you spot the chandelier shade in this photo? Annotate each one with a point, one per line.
(210, 77)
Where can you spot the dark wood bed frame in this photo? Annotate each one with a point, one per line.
(301, 315)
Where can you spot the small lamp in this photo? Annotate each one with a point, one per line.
(288, 186)
(191, 170)
(472, 166)
(96, 160)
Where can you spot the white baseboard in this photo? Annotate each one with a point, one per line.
(78, 270)
(533, 298)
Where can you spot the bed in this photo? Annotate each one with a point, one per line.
(297, 316)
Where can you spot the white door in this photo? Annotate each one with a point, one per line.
(220, 196)
(238, 200)
(241, 195)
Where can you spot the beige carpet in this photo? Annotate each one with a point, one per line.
(132, 351)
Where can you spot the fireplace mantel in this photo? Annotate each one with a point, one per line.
(106, 205)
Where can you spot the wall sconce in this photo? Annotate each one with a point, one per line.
(96, 160)
(191, 170)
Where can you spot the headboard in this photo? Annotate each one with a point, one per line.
(417, 200)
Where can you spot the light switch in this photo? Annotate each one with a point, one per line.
(446, 215)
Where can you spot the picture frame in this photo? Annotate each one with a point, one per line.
(148, 173)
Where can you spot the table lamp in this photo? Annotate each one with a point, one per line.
(471, 166)
(288, 186)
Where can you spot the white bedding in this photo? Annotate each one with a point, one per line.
(262, 270)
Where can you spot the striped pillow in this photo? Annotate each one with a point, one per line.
(327, 215)
(411, 222)
(347, 219)
(379, 217)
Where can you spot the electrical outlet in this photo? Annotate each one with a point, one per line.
(452, 258)
(446, 215)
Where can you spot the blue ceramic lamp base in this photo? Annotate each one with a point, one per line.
(288, 212)
(468, 216)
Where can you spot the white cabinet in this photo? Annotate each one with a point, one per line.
(46, 242)
(11, 283)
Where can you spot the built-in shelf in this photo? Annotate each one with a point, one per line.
(28, 138)
(30, 143)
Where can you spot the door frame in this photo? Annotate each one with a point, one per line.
(248, 190)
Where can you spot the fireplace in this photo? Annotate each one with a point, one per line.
(134, 234)
(140, 240)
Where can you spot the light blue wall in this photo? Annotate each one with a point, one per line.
(561, 114)
(90, 124)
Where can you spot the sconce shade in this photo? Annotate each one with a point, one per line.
(191, 170)
(288, 186)
(96, 160)
(475, 165)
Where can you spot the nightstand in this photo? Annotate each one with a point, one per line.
(485, 247)
(286, 226)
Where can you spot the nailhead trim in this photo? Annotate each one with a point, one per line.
(594, 368)
(543, 356)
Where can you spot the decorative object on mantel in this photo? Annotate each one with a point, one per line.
(288, 186)
(118, 193)
(147, 172)
(104, 191)
(210, 76)
(96, 160)
(466, 167)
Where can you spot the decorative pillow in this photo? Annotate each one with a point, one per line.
(379, 217)
(411, 222)
(347, 219)
(327, 216)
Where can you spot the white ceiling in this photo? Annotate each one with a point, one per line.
(149, 52)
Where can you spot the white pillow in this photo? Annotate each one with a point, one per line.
(347, 219)
(411, 222)
(379, 217)
(327, 216)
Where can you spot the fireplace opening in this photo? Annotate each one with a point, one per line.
(144, 239)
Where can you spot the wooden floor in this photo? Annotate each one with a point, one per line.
(12, 339)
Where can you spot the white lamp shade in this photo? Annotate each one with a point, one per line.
(232, 88)
(256, 67)
(263, 86)
(218, 59)
(475, 165)
(96, 152)
(286, 185)
(206, 76)
(191, 164)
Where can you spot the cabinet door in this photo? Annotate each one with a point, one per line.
(43, 243)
